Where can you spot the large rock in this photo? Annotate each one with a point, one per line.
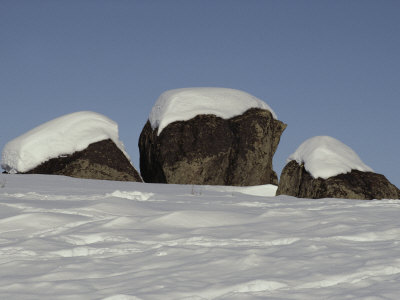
(83, 144)
(211, 150)
(296, 181)
(100, 160)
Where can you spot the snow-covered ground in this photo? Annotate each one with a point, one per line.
(67, 238)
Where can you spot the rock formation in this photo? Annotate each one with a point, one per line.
(83, 144)
(100, 160)
(298, 182)
(211, 150)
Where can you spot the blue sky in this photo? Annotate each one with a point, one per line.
(325, 67)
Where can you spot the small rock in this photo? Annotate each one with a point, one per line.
(297, 181)
(100, 160)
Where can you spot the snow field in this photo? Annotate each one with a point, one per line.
(70, 238)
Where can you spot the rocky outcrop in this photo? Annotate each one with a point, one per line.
(210, 150)
(296, 181)
(100, 160)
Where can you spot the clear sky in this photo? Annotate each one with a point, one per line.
(325, 67)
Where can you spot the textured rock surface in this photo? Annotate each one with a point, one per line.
(296, 181)
(211, 150)
(100, 160)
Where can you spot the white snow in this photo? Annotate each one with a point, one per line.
(325, 156)
(63, 135)
(69, 238)
(184, 104)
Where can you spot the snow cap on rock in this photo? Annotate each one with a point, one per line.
(64, 135)
(184, 104)
(325, 156)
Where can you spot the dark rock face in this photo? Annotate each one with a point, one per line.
(296, 181)
(101, 160)
(210, 150)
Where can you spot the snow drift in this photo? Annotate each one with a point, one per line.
(68, 238)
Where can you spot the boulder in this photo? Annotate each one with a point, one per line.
(100, 160)
(208, 149)
(83, 144)
(296, 181)
(324, 167)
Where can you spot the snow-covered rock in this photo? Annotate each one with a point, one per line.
(211, 136)
(83, 144)
(323, 167)
(325, 156)
(64, 135)
(186, 103)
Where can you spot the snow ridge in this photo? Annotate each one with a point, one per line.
(325, 156)
(184, 104)
(64, 135)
